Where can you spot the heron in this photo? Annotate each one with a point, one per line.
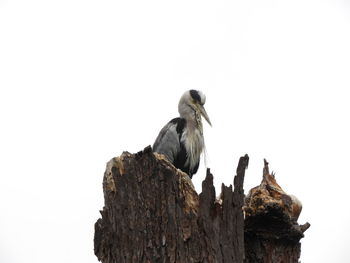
(181, 140)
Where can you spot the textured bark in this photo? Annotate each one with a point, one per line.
(153, 214)
(272, 233)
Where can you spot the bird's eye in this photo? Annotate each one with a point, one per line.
(195, 96)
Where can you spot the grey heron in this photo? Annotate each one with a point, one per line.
(181, 140)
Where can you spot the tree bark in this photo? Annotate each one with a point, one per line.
(152, 213)
(272, 233)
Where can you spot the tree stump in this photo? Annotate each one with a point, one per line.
(272, 233)
(152, 213)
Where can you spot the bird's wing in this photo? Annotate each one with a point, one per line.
(168, 140)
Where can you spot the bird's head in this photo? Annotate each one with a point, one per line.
(192, 104)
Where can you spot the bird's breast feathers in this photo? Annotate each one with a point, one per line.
(194, 144)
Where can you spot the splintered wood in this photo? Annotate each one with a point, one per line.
(152, 213)
(272, 233)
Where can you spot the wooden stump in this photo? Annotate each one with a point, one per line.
(152, 213)
(272, 233)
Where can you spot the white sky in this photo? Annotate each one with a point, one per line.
(83, 81)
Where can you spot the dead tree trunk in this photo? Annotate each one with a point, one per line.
(153, 214)
(272, 233)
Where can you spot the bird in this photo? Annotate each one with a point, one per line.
(181, 139)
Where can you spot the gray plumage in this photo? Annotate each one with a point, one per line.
(181, 140)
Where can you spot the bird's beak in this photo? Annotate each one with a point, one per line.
(204, 114)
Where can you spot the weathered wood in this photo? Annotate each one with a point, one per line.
(272, 233)
(222, 220)
(153, 214)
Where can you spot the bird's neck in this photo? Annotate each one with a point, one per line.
(193, 140)
(194, 124)
(192, 117)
